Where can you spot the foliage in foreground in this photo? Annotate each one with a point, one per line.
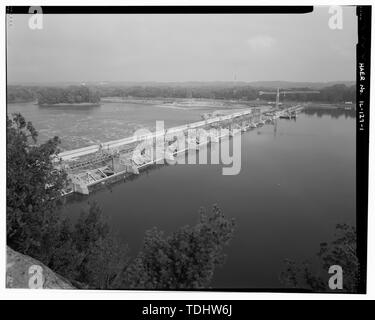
(341, 251)
(185, 259)
(33, 190)
(90, 254)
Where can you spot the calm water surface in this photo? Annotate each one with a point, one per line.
(296, 183)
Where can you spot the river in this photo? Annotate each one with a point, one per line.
(297, 181)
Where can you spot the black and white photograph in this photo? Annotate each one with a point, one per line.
(187, 148)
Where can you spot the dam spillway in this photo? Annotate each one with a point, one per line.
(114, 160)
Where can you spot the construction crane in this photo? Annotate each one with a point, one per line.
(278, 92)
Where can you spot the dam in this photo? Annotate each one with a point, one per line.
(117, 160)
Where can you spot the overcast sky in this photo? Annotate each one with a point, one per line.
(183, 48)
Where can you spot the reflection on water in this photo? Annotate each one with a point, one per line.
(332, 112)
(296, 183)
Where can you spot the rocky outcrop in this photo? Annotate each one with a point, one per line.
(26, 272)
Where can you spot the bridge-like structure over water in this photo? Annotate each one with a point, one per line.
(114, 160)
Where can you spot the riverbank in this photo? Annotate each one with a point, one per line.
(82, 104)
(180, 103)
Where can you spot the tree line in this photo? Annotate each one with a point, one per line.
(70, 95)
(332, 94)
(77, 94)
(53, 95)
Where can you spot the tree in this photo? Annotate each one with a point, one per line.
(20, 94)
(33, 190)
(103, 254)
(88, 253)
(186, 259)
(341, 251)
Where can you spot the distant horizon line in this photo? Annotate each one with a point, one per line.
(170, 82)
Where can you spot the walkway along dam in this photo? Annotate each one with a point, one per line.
(115, 160)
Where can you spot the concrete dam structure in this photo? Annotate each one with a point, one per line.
(115, 160)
